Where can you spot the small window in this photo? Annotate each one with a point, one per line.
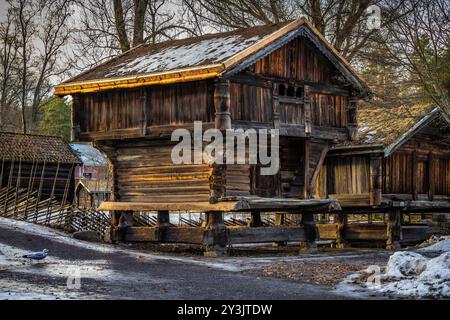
(291, 91)
(87, 175)
(299, 93)
(281, 90)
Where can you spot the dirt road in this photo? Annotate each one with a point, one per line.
(100, 271)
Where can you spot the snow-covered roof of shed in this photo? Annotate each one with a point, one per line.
(89, 155)
(204, 57)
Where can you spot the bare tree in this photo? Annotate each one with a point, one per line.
(343, 22)
(24, 13)
(9, 72)
(40, 35)
(106, 28)
(52, 36)
(419, 42)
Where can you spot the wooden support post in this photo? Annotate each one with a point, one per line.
(307, 153)
(146, 101)
(215, 237)
(431, 176)
(75, 111)
(162, 223)
(307, 111)
(222, 122)
(352, 118)
(415, 176)
(393, 230)
(222, 105)
(341, 220)
(315, 176)
(275, 108)
(279, 221)
(309, 225)
(255, 220)
(375, 180)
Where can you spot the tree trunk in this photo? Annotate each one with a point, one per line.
(140, 7)
(120, 25)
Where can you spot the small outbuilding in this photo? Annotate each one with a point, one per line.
(399, 164)
(36, 164)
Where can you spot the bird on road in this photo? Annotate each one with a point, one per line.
(37, 255)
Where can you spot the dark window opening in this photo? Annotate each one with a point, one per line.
(299, 93)
(281, 90)
(291, 91)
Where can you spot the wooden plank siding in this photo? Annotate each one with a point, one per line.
(418, 170)
(400, 176)
(298, 60)
(156, 105)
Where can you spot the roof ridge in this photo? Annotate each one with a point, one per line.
(145, 69)
(206, 36)
(32, 134)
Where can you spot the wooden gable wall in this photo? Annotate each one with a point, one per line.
(285, 74)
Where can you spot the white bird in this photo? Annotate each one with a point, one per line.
(37, 255)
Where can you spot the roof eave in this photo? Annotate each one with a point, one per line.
(169, 77)
(391, 148)
(228, 67)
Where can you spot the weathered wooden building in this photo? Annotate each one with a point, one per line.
(41, 165)
(89, 194)
(283, 76)
(399, 164)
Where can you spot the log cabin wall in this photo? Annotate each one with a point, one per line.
(144, 172)
(296, 78)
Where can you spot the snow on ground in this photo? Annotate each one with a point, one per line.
(409, 274)
(442, 245)
(233, 264)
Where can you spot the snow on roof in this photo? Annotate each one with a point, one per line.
(89, 155)
(199, 58)
(205, 50)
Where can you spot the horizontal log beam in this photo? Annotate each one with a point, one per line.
(265, 234)
(234, 204)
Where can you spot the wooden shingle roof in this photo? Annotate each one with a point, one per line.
(390, 127)
(198, 58)
(27, 147)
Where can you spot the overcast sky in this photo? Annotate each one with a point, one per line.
(2, 9)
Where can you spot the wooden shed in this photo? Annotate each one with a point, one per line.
(284, 76)
(40, 165)
(89, 194)
(400, 164)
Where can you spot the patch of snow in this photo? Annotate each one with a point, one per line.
(413, 275)
(442, 245)
(209, 51)
(26, 296)
(405, 264)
